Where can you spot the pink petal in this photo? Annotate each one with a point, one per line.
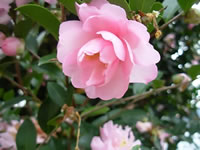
(107, 54)
(113, 11)
(138, 39)
(69, 32)
(117, 44)
(145, 54)
(98, 3)
(97, 144)
(104, 23)
(92, 47)
(84, 11)
(143, 74)
(116, 88)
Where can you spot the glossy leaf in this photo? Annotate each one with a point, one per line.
(57, 93)
(171, 8)
(186, 4)
(48, 110)
(46, 59)
(26, 136)
(42, 16)
(194, 71)
(70, 5)
(142, 5)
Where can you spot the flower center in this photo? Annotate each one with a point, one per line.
(123, 143)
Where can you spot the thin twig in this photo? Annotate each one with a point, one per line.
(25, 90)
(136, 98)
(78, 132)
(167, 23)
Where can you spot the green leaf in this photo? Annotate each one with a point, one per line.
(172, 8)
(26, 136)
(47, 111)
(42, 16)
(23, 27)
(8, 95)
(46, 59)
(69, 4)
(186, 4)
(158, 83)
(98, 112)
(57, 93)
(142, 5)
(139, 88)
(194, 71)
(137, 147)
(123, 4)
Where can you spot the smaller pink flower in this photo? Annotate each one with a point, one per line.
(144, 126)
(51, 2)
(4, 9)
(2, 37)
(22, 2)
(114, 137)
(163, 136)
(12, 46)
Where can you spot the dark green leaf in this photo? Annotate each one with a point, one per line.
(26, 136)
(123, 4)
(8, 95)
(98, 112)
(186, 4)
(70, 5)
(194, 71)
(57, 93)
(23, 27)
(142, 5)
(42, 16)
(46, 59)
(48, 110)
(158, 83)
(172, 8)
(139, 88)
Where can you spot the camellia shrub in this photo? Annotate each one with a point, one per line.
(99, 75)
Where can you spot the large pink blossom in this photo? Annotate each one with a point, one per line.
(104, 51)
(114, 137)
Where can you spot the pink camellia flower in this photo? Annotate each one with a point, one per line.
(22, 2)
(52, 2)
(114, 137)
(12, 46)
(144, 126)
(4, 9)
(104, 51)
(2, 38)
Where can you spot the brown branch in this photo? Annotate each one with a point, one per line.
(25, 90)
(136, 98)
(167, 23)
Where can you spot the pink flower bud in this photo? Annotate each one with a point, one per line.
(22, 2)
(2, 37)
(51, 2)
(144, 126)
(12, 46)
(182, 78)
